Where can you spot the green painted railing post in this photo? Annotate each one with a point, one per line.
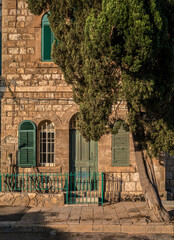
(0, 182)
(66, 184)
(102, 189)
(15, 178)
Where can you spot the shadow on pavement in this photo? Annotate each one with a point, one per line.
(10, 213)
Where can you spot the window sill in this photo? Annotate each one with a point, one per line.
(44, 64)
(49, 169)
(129, 169)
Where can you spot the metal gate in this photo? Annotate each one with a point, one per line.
(84, 187)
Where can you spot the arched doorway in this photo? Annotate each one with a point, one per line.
(83, 154)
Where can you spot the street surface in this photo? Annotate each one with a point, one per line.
(81, 236)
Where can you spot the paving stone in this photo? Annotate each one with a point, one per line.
(87, 214)
(152, 228)
(75, 213)
(80, 228)
(63, 215)
(58, 227)
(98, 213)
(132, 229)
(112, 228)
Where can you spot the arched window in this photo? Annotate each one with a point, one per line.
(46, 140)
(120, 148)
(27, 144)
(47, 39)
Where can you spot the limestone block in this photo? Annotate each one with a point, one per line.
(24, 12)
(48, 108)
(21, 18)
(13, 50)
(15, 37)
(57, 108)
(125, 177)
(134, 177)
(56, 76)
(21, 4)
(138, 186)
(31, 195)
(30, 50)
(129, 186)
(43, 83)
(25, 199)
(40, 108)
(28, 36)
(23, 50)
(47, 76)
(12, 12)
(17, 200)
(26, 76)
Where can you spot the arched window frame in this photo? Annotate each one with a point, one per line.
(46, 145)
(117, 139)
(47, 39)
(26, 145)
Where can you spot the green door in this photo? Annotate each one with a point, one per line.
(83, 154)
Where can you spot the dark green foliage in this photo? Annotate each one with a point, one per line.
(118, 49)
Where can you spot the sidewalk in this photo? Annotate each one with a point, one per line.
(124, 217)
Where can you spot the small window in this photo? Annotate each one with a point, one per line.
(27, 144)
(47, 40)
(120, 148)
(47, 137)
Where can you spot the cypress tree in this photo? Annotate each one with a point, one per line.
(110, 50)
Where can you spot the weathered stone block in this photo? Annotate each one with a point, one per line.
(134, 177)
(129, 186)
(15, 37)
(13, 50)
(125, 177)
(26, 76)
(138, 186)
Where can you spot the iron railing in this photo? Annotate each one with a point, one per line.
(85, 188)
(33, 182)
(79, 187)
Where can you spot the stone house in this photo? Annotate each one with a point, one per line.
(39, 130)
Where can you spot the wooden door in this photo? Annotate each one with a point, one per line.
(83, 154)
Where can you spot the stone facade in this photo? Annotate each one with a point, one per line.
(36, 91)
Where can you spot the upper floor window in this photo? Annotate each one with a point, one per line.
(47, 40)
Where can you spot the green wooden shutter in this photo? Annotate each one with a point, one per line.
(27, 144)
(120, 148)
(47, 40)
(47, 43)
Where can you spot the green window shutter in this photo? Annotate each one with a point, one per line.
(47, 40)
(27, 144)
(120, 149)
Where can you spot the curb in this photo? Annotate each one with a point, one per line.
(159, 228)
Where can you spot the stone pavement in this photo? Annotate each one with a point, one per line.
(124, 217)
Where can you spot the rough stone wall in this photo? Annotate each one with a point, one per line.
(31, 199)
(0, 60)
(39, 88)
(37, 91)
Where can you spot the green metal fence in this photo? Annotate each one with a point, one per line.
(79, 187)
(33, 182)
(85, 188)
